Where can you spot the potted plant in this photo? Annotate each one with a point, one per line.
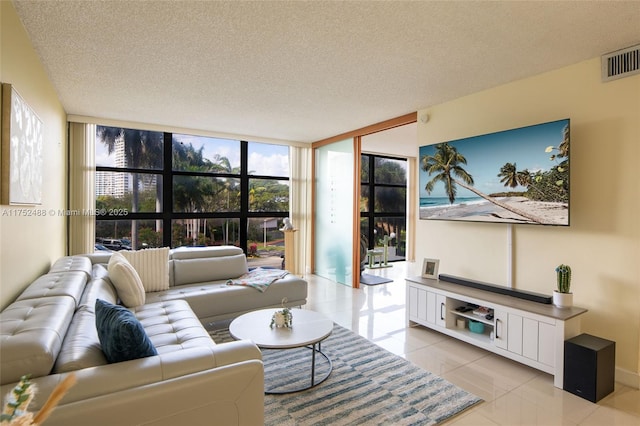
(562, 297)
(282, 318)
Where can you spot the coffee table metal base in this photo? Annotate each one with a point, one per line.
(308, 331)
(316, 348)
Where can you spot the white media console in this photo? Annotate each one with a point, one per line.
(529, 332)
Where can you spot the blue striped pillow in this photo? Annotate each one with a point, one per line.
(121, 335)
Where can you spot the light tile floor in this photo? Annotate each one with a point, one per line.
(513, 394)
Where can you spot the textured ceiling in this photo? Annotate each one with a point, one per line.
(304, 71)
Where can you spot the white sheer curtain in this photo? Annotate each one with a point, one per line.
(82, 182)
(300, 204)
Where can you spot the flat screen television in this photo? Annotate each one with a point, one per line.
(513, 176)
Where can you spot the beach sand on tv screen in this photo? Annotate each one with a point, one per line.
(485, 211)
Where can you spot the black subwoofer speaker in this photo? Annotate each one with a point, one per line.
(589, 366)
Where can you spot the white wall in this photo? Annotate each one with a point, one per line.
(399, 141)
(28, 244)
(602, 245)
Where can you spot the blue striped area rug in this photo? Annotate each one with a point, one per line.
(368, 386)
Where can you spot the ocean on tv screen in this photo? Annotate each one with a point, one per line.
(513, 176)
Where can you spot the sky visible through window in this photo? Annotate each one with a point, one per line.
(264, 159)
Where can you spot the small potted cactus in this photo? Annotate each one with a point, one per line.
(562, 297)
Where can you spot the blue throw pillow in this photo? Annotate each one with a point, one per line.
(121, 335)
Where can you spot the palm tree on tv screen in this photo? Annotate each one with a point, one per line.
(509, 175)
(447, 163)
(513, 177)
(551, 185)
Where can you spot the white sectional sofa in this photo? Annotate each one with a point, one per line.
(50, 331)
(199, 275)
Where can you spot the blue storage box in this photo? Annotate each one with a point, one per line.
(476, 326)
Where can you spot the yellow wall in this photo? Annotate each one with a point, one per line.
(602, 245)
(28, 244)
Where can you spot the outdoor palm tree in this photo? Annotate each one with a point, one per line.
(142, 149)
(199, 193)
(446, 164)
(222, 164)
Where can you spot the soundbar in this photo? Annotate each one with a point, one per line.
(520, 294)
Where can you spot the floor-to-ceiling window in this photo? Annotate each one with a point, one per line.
(164, 189)
(383, 204)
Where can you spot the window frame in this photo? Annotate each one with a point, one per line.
(371, 215)
(167, 215)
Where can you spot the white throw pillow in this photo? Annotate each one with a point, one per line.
(152, 265)
(126, 281)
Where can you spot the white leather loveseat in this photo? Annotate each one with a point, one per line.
(50, 331)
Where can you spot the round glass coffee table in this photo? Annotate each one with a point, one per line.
(308, 330)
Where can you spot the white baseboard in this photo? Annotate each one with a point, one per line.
(627, 378)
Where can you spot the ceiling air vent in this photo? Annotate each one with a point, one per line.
(621, 63)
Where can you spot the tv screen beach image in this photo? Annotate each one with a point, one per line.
(514, 176)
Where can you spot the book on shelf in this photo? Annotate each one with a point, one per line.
(482, 311)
